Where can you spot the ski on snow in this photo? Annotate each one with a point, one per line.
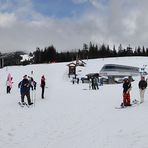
(134, 103)
(22, 105)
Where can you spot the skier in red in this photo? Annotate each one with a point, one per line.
(126, 92)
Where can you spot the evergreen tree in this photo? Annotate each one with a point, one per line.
(114, 51)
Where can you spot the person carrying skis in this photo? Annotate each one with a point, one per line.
(126, 92)
(32, 83)
(142, 87)
(42, 86)
(24, 86)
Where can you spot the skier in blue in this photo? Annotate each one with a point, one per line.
(24, 86)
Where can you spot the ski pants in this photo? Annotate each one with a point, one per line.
(126, 98)
(8, 89)
(142, 91)
(43, 89)
(27, 95)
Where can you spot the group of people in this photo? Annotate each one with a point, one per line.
(28, 82)
(25, 85)
(94, 83)
(142, 85)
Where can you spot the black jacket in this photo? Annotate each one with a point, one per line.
(126, 86)
(142, 84)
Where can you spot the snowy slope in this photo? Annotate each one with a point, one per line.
(25, 57)
(71, 116)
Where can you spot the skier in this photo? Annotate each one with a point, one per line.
(101, 82)
(96, 83)
(92, 83)
(142, 87)
(126, 92)
(24, 86)
(42, 86)
(32, 83)
(78, 80)
(32, 72)
(9, 83)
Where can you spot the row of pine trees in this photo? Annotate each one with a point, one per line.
(89, 51)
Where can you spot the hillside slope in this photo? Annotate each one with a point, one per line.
(71, 116)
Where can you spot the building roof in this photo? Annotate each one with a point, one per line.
(71, 64)
(119, 70)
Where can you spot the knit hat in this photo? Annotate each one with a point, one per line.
(24, 76)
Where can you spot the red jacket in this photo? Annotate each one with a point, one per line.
(42, 81)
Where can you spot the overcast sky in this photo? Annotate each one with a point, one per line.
(67, 24)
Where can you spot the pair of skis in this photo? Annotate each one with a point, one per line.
(24, 104)
(33, 96)
(134, 103)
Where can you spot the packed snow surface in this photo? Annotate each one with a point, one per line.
(71, 115)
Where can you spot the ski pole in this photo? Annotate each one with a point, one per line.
(34, 97)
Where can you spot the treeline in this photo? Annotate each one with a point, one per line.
(11, 58)
(89, 51)
(45, 56)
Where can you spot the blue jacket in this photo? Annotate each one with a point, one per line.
(24, 86)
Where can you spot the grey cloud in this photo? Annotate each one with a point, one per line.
(116, 22)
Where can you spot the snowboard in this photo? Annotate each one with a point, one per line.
(134, 103)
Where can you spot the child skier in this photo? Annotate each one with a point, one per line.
(9, 83)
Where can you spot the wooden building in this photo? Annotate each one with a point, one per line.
(72, 69)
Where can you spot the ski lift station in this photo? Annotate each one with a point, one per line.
(115, 71)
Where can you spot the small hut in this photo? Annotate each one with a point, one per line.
(72, 69)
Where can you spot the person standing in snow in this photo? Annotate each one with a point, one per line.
(142, 87)
(92, 83)
(96, 83)
(9, 83)
(126, 92)
(32, 72)
(32, 83)
(42, 86)
(101, 82)
(24, 86)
